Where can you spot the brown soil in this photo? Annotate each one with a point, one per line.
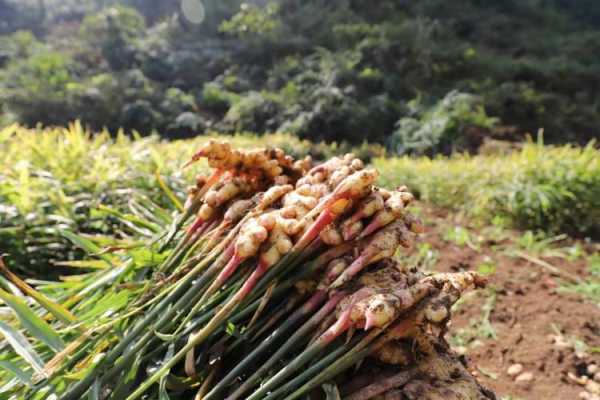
(528, 315)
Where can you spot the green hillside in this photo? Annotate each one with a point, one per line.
(419, 77)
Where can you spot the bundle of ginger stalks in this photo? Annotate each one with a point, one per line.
(277, 279)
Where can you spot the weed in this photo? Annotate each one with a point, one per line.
(480, 328)
(590, 287)
(460, 236)
(425, 258)
(594, 264)
(487, 267)
(541, 245)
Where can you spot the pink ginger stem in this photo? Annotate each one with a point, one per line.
(372, 227)
(229, 269)
(340, 326)
(198, 223)
(252, 280)
(313, 231)
(226, 272)
(354, 268)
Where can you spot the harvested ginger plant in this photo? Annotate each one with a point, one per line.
(277, 281)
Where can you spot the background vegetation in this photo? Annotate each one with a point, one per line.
(420, 77)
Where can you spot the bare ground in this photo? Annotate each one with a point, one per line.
(524, 317)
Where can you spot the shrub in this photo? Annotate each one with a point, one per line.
(20, 14)
(253, 112)
(187, 124)
(335, 68)
(252, 19)
(442, 128)
(18, 45)
(115, 31)
(35, 87)
(216, 98)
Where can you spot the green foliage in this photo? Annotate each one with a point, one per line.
(252, 19)
(53, 180)
(486, 268)
(555, 189)
(445, 128)
(460, 236)
(251, 113)
(478, 328)
(20, 44)
(323, 70)
(35, 87)
(591, 286)
(115, 31)
(217, 98)
(43, 72)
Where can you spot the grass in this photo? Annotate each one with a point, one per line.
(480, 328)
(590, 287)
(424, 258)
(461, 237)
(553, 189)
(542, 245)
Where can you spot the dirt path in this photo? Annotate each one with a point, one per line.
(523, 317)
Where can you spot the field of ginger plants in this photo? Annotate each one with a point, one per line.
(77, 212)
